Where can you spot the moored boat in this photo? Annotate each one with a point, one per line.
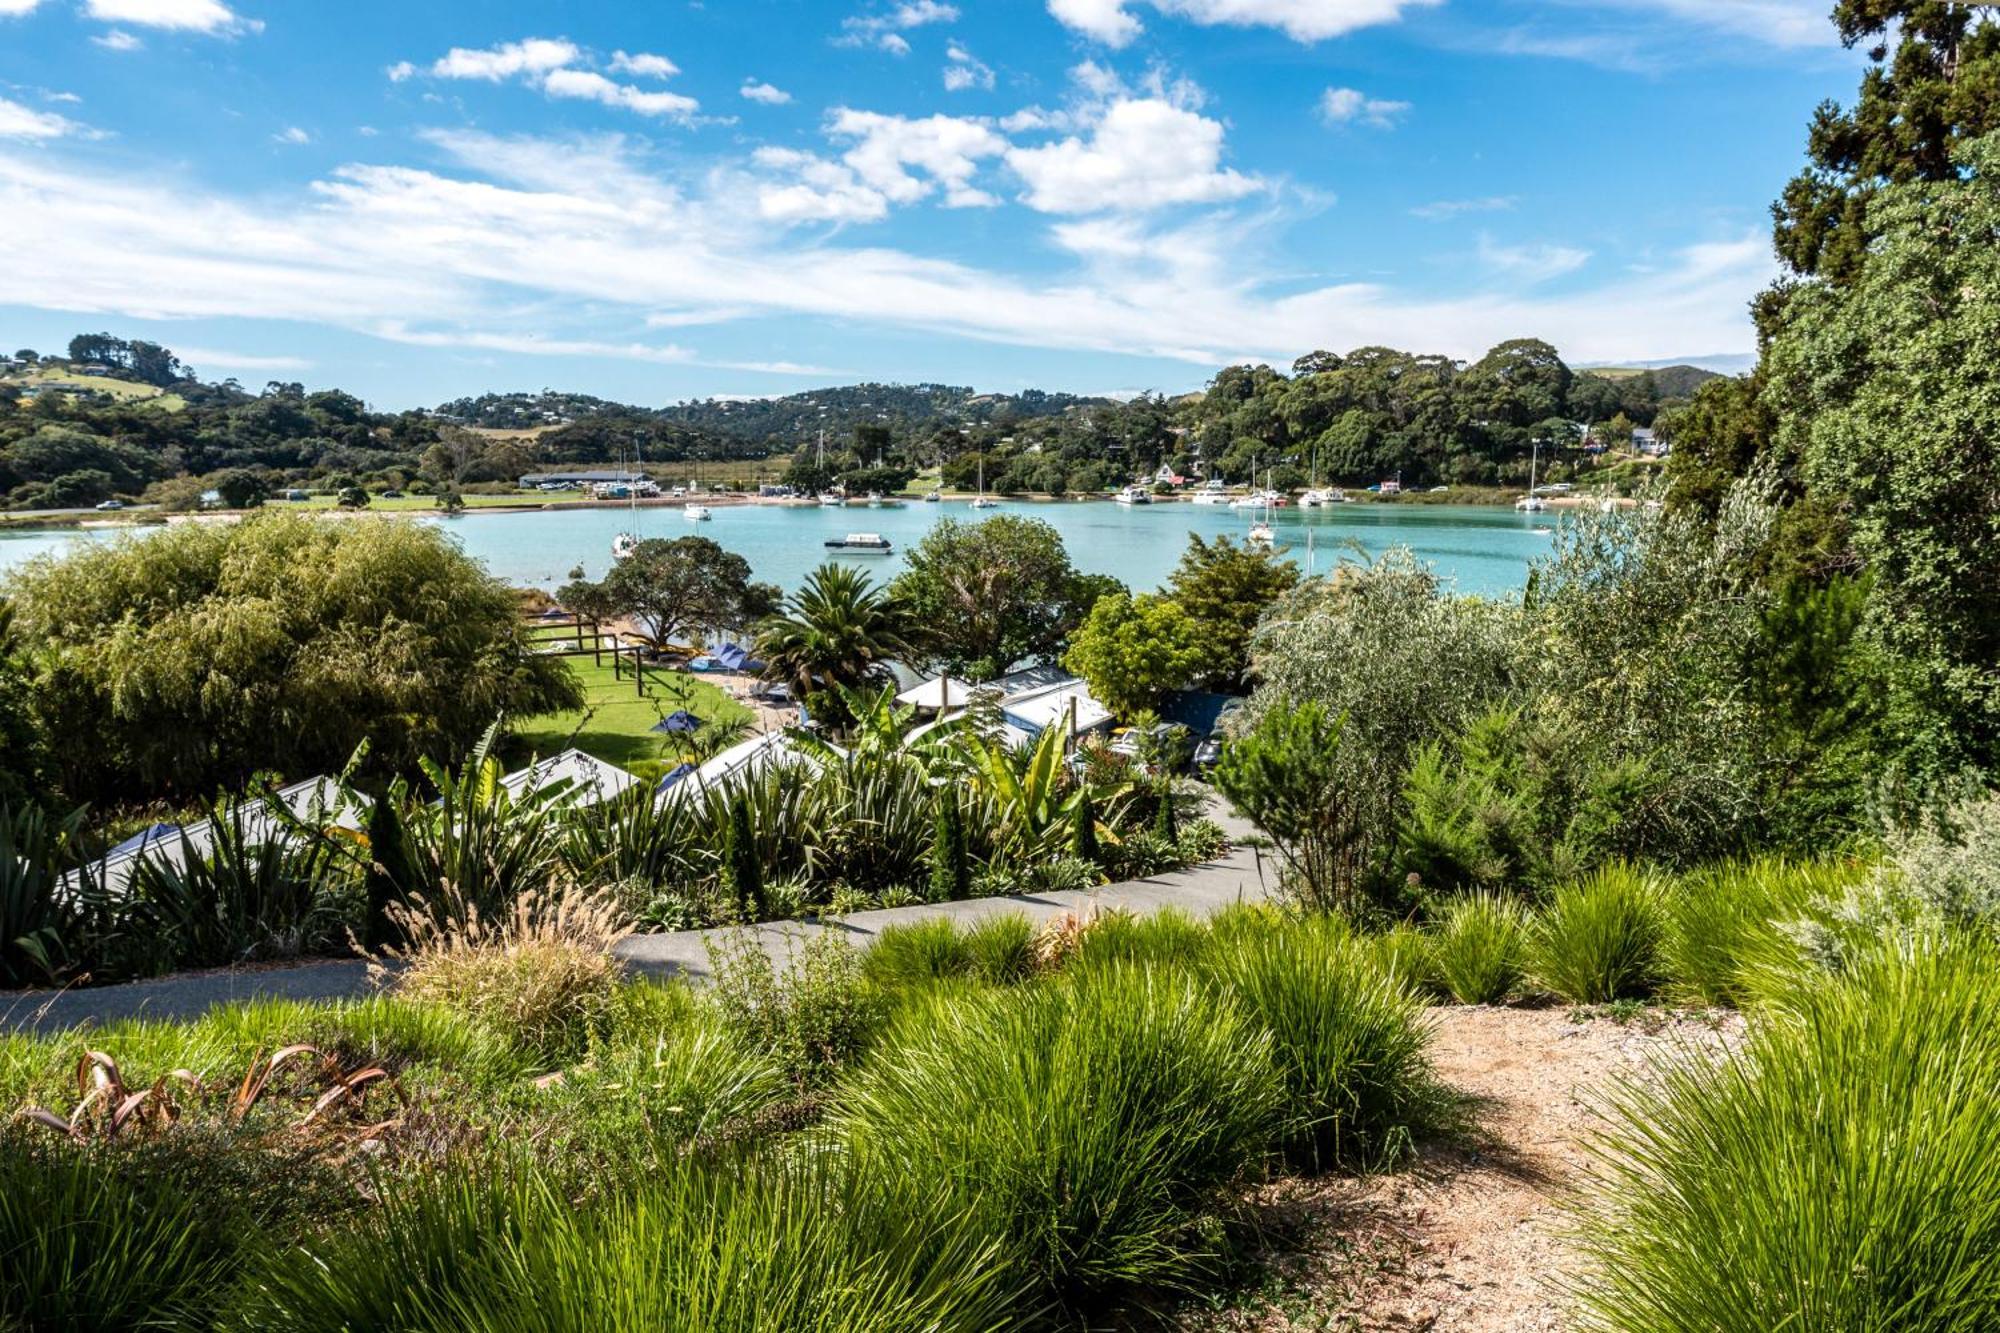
(863, 543)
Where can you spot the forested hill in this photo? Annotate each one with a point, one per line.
(780, 422)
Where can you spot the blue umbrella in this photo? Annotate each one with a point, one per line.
(731, 656)
(555, 613)
(681, 721)
(673, 776)
(151, 834)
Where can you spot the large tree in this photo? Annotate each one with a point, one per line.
(1133, 651)
(1933, 82)
(678, 587)
(992, 594)
(172, 663)
(1225, 588)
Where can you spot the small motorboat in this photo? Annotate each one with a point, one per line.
(933, 498)
(1209, 498)
(862, 543)
(697, 513)
(983, 503)
(1133, 495)
(831, 500)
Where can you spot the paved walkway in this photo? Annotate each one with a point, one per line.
(1241, 876)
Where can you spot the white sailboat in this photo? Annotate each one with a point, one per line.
(625, 543)
(980, 501)
(1532, 503)
(1263, 536)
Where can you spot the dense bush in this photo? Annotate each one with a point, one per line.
(1840, 1171)
(191, 658)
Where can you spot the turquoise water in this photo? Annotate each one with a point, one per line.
(1481, 549)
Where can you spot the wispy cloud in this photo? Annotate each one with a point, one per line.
(1531, 263)
(1113, 23)
(756, 90)
(1444, 209)
(963, 70)
(204, 16)
(561, 69)
(1351, 106)
(24, 122)
(884, 29)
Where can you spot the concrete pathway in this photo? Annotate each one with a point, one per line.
(1244, 875)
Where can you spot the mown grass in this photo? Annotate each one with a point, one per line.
(615, 724)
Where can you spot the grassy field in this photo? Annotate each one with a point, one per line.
(615, 722)
(116, 388)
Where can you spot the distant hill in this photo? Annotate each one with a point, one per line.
(784, 422)
(1676, 381)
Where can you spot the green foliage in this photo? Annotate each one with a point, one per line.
(744, 868)
(816, 1015)
(673, 588)
(921, 951)
(1479, 951)
(725, 1247)
(1085, 1124)
(1135, 651)
(1599, 940)
(1000, 949)
(951, 865)
(1730, 924)
(37, 928)
(1287, 775)
(1224, 588)
(991, 594)
(1840, 1171)
(839, 631)
(1347, 1038)
(187, 659)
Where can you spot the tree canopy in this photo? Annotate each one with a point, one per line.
(992, 594)
(673, 588)
(192, 657)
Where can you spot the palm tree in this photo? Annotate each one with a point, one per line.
(838, 631)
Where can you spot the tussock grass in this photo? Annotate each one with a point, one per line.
(1169, 937)
(736, 1247)
(1727, 925)
(1842, 1171)
(1347, 1038)
(918, 952)
(1001, 949)
(1085, 1124)
(1599, 940)
(1479, 949)
(543, 974)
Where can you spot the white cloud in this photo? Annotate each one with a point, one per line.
(1444, 209)
(22, 122)
(589, 85)
(118, 40)
(883, 30)
(964, 70)
(1351, 106)
(188, 15)
(536, 55)
(1531, 263)
(643, 65)
(1112, 23)
(207, 357)
(70, 99)
(558, 68)
(292, 134)
(769, 94)
(539, 241)
(891, 160)
(1144, 153)
(12, 8)
(1782, 23)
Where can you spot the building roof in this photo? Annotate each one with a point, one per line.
(591, 781)
(744, 760)
(938, 692)
(596, 474)
(1036, 711)
(318, 801)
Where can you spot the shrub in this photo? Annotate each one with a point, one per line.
(733, 1248)
(543, 975)
(1840, 1171)
(1599, 940)
(1347, 1038)
(1087, 1123)
(36, 929)
(816, 1014)
(1478, 951)
(696, 1079)
(1169, 936)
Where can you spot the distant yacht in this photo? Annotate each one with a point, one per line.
(1133, 495)
(1532, 503)
(831, 500)
(980, 501)
(697, 513)
(933, 498)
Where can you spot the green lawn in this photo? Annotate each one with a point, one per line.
(615, 722)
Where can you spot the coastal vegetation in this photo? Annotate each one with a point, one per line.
(1733, 754)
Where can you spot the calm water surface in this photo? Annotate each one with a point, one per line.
(1483, 549)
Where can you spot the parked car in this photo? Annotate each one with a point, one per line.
(110, 504)
(1207, 753)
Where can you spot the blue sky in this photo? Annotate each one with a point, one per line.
(417, 201)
